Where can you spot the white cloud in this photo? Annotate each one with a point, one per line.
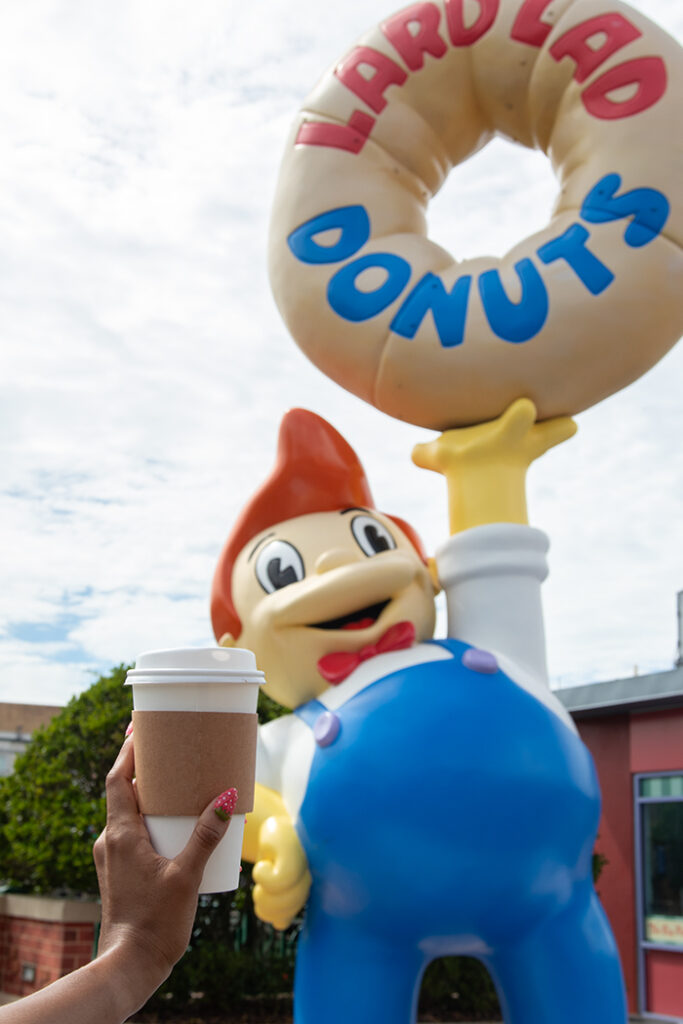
(144, 367)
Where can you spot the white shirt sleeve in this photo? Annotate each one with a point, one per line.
(284, 753)
(267, 770)
(492, 578)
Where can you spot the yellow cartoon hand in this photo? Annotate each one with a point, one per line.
(281, 873)
(485, 465)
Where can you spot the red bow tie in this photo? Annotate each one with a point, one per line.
(335, 667)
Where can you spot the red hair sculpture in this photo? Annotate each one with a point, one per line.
(316, 470)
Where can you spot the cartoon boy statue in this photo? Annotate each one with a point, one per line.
(427, 797)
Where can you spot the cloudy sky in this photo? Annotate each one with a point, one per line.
(144, 368)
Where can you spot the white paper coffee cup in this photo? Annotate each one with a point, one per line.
(214, 680)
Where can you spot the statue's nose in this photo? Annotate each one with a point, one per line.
(333, 559)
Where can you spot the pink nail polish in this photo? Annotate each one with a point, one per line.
(225, 805)
(129, 729)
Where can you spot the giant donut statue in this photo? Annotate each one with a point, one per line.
(572, 313)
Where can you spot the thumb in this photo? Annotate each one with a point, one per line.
(211, 826)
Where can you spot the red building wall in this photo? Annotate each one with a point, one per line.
(55, 948)
(657, 746)
(664, 972)
(623, 745)
(657, 741)
(609, 740)
(49, 935)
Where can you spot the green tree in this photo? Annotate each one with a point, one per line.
(52, 808)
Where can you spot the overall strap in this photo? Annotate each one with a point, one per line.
(310, 712)
(454, 647)
(472, 658)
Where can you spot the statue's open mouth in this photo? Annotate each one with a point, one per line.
(361, 619)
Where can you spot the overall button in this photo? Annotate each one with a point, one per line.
(480, 661)
(326, 728)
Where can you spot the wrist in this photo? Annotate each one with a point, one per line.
(487, 492)
(131, 974)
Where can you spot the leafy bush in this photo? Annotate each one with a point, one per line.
(598, 864)
(52, 808)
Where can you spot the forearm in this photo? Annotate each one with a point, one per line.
(106, 991)
(485, 492)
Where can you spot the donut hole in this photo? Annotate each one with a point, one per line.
(500, 195)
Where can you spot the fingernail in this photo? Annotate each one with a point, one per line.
(225, 805)
(129, 729)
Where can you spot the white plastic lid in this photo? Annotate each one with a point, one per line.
(204, 662)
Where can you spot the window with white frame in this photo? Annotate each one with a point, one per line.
(661, 818)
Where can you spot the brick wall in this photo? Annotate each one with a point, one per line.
(52, 937)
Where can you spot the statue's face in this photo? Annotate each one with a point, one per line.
(322, 583)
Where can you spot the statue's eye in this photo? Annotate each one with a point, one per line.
(371, 535)
(278, 565)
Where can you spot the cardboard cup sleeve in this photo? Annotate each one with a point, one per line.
(184, 759)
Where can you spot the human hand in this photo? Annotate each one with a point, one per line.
(149, 902)
(281, 873)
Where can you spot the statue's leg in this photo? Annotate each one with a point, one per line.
(566, 971)
(345, 976)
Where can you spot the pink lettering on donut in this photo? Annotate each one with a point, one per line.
(412, 46)
(646, 74)
(528, 27)
(351, 136)
(383, 72)
(617, 32)
(414, 33)
(462, 35)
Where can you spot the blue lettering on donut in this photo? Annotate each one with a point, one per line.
(353, 303)
(514, 322)
(571, 246)
(649, 208)
(353, 224)
(449, 309)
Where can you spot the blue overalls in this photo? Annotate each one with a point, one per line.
(452, 814)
